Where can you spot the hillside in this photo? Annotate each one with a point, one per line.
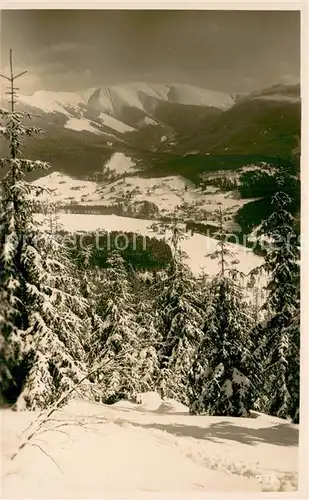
(263, 123)
(138, 196)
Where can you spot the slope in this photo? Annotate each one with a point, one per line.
(265, 122)
(146, 96)
(155, 448)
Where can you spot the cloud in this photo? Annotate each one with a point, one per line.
(57, 48)
(213, 26)
(250, 80)
(229, 51)
(27, 84)
(289, 79)
(65, 79)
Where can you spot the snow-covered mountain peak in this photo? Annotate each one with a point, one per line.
(280, 92)
(112, 100)
(85, 94)
(109, 106)
(190, 95)
(51, 101)
(144, 96)
(73, 107)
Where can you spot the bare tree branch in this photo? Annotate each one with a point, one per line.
(47, 454)
(19, 74)
(59, 403)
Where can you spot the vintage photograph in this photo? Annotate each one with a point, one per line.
(149, 252)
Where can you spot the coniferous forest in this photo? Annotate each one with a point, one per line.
(105, 325)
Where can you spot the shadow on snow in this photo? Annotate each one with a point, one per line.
(279, 435)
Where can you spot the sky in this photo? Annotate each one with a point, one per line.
(228, 51)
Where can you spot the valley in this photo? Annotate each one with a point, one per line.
(155, 151)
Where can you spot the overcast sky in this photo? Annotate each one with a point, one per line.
(230, 51)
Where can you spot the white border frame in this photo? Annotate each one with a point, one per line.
(303, 7)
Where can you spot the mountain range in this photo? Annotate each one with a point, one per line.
(166, 129)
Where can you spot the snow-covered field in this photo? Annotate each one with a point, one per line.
(144, 122)
(167, 193)
(188, 94)
(149, 450)
(196, 246)
(62, 188)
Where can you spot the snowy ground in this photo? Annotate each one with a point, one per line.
(235, 174)
(171, 192)
(62, 188)
(153, 449)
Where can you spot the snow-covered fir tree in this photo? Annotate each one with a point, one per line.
(149, 337)
(180, 320)
(279, 337)
(150, 341)
(42, 327)
(220, 378)
(51, 215)
(256, 298)
(59, 331)
(119, 344)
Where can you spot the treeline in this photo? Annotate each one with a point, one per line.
(261, 182)
(194, 165)
(222, 182)
(142, 209)
(138, 251)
